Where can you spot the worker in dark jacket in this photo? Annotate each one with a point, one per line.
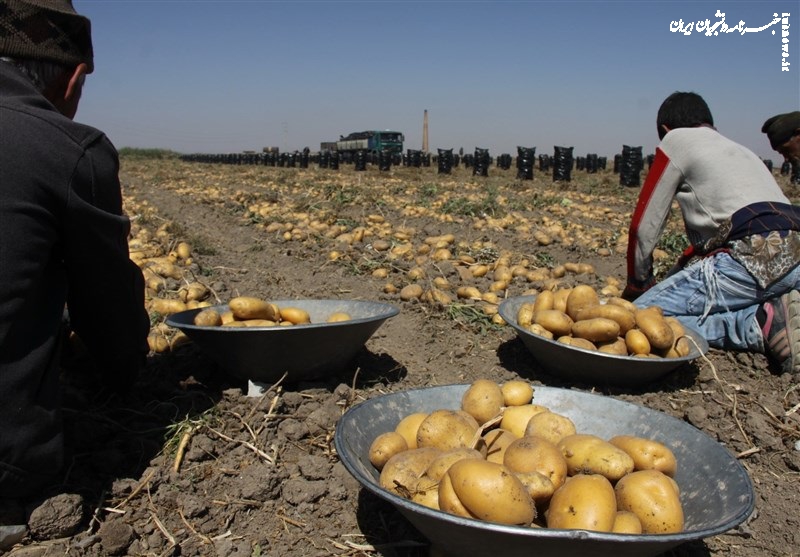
(63, 240)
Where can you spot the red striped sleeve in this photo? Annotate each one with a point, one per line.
(657, 169)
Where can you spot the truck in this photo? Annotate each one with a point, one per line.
(372, 141)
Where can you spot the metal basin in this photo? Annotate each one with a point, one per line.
(716, 492)
(590, 366)
(310, 351)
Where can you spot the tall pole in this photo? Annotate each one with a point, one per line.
(425, 132)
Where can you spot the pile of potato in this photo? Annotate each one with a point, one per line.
(250, 311)
(577, 316)
(501, 458)
(170, 286)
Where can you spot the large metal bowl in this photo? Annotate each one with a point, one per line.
(310, 351)
(590, 366)
(716, 492)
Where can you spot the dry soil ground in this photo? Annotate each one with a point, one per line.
(260, 475)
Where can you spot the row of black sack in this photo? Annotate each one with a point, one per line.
(480, 161)
(629, 164)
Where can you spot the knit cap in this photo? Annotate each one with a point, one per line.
(48, 30)
(781, 128)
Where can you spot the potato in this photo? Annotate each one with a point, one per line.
(550, 426)
(165, 268)
(435, 296)
(439, 466)
(581, 296)
(647, 454)
(589, 454)
(560, 298)
(515, 418)
(258, 323)
(445, 429)
(541, 331)
(544, 300)
(157, 342)
(208, 318)
(577, 342)
(180, 339)
(411, 292)
(297, 316)
(585, 269)
(197, 304)
(596, 329)
(385, 446)
(625, 522)
(249, 307)
(477, 271)
(652, 497)
(194, 291)
(535, 454)
(489, 491)
(496, 442)
(166, 306)
(538, 486)
(516, 392)
(656, 329)
(621, 302)
(555, 321)
(677, 327)
(152, 281)
(502, 273)
(449, 501)
(571, 267)
(637, 343)
(483, 400)
(584, 502)
(525, 315)
(468, 418)
(616, 347)
(681, 348)
(227, 316)
(402, 471)
(624, 318)
(426, 493)
(183, 250)
(338, 317)
(409, 426)
(468, 293)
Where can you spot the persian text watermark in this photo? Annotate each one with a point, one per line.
(714, 29)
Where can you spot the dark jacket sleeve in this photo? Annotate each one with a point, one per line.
(105, 288)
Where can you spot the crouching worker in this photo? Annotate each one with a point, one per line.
(63, 240)
(737, 284)
(783, 132)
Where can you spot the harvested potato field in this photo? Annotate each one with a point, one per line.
(187, 463)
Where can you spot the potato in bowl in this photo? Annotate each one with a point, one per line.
(568, 356)
(308, 350)
(717, 493)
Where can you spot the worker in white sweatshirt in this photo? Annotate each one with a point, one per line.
(737, 283)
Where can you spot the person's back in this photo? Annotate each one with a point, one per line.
(718, 177)
(63, 241)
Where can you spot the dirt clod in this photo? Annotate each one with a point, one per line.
(57, 517)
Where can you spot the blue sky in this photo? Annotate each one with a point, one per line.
(220, 76)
